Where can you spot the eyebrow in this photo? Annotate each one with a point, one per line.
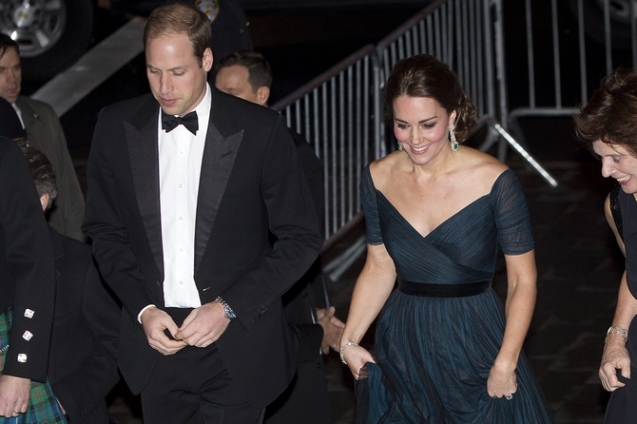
(422, 121)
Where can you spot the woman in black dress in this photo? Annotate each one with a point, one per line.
(607, 127)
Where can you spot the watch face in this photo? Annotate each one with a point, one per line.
(209, 7)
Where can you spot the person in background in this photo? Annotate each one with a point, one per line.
(27, 290)
(606, 127)
(45, 133)
(436, 214)
(185, 187)
(246, 74)
(83, 353)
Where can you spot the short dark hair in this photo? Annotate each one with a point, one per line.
(6, 43)
(611, 113)
(259, 71)
(41, 170)
(425, 76)
(180, 18)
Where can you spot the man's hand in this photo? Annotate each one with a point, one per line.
(14, 395)
(204, 325)
(332, 329)
(615, 357)
(155, 321)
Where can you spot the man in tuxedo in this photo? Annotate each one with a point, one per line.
(45, 133)
(246, 74)
(184, 187)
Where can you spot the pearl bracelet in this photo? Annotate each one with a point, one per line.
(619, 331)
(348, 344)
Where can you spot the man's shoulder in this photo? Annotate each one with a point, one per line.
(129, 105)
(39, 106)
(235, 108)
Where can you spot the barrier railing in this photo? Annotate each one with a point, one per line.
(333, 112)
(340, 112)
(574, 61)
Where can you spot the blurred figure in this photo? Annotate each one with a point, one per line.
(83, 352)
(606, 127)
(27, 289)
(44, 133)
(248, 75)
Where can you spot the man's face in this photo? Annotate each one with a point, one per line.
(234, 80)
(176, 79)
(10, 75)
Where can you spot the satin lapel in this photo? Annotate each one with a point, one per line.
(144, 158)
(218, 159)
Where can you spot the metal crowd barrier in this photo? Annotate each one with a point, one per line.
(604, 37)
(340, 112)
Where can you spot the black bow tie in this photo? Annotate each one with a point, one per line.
(170, 122)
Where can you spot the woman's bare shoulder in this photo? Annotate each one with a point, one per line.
(382, 168)
(482, 168)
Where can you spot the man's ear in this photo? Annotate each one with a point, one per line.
(263, 94)
(207, 60)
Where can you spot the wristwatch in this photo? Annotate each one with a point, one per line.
(227, 310)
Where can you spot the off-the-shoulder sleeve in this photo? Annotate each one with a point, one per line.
(368, 201)
(512, 215)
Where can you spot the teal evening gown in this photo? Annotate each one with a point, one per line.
(441, 330)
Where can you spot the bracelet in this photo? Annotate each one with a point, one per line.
(348, 344)
(619, 331)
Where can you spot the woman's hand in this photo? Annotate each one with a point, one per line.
(356, 358)
(502, 381)
(615, 357)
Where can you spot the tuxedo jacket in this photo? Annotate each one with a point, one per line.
(45, 133)
(306, 399)
(250, 184)
(26, 267)
(83, 356)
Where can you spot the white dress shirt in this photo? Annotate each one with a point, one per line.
(180, 157)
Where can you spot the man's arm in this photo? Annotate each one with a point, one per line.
(292, 219)
(104, 225)
(29, 257)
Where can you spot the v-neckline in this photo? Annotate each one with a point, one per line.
(442, 223)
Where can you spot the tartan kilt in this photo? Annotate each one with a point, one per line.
(43, 406)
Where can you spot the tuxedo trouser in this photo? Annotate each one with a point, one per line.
(193, 387)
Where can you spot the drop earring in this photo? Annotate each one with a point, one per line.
(400, 146)
(452, 135)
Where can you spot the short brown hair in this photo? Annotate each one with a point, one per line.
(6, 43)
(179, 19)
(259, 71)
(611, 114)
(41, 170)
(425, 76)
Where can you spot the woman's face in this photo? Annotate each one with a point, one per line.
(618, 163)
(421, 126)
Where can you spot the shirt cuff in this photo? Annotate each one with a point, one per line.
(139, 315)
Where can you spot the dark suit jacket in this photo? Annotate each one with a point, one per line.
(83, 359)
(26, 266)
(45, 133)
(250, 184)
(306, 399)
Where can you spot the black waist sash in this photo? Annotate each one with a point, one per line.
(443, 290)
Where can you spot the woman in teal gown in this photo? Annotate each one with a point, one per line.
(446, 349)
